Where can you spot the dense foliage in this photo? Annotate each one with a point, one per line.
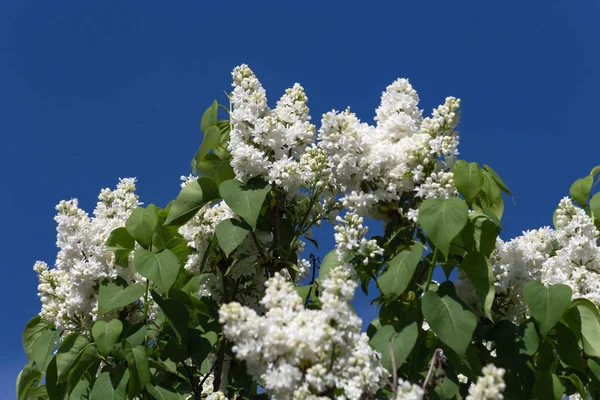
(218, 295)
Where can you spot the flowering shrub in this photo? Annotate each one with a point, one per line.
(217, 296)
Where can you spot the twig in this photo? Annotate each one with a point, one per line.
(437, 353)
(395, 369)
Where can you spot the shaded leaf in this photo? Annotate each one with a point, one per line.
(68, 354)
(386, 340)
(191, 199)
(547, 386)
(479, 270)
(453, 324)
(111, 388)
(230, 234)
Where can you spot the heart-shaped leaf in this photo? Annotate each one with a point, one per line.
(245, 199)
(547, 304)
(468, 179)
(230, 234)
(141, 225)
(390, 343)
(453, 324)
(580, 189)
(442, 220)
(161, 268)
(106, 334)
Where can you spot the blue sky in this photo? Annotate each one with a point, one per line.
(94, 91)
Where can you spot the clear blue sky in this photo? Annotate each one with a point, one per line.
(94, 91)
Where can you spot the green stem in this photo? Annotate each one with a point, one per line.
(146, 308)
(257, 244)
(431, 268)
(301, 226)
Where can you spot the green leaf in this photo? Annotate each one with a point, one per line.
(580, 189)
(442, 220)
(209, 118)
(480, 233)
(211, 139)
(547, 386)
(192, 302)
(479, 270)
(568, 347)
(576, 382)
(330, 261)
(468, 179)
(594, 368)
(246, 200)
(547, 305)
(111, 387)
(33, 330)
(135, 334)
(497, 179)
(89, 361)
(27, 380)
(68, 354)
(453, 324)
(139, 371)
(176, 313)
(230, 234)
(491, 198)
(215, 168)
(43, 348)
(112, 296)
(395, 279)
(160, 393)
(142, 223)
(39, 393)
(106, 334)
(56, 390)
(199, 346)
(161, 268)
(401, 344)
(583, 318)
(191, 199)
(304, 291)
(80, 391)
(595, 205)
(120, 239)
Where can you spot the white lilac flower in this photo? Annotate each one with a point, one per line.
(489, 386)
(302, 353)
(401, 155)
(567, 255)
(68, 291)
(408, 391)
(265, 142)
